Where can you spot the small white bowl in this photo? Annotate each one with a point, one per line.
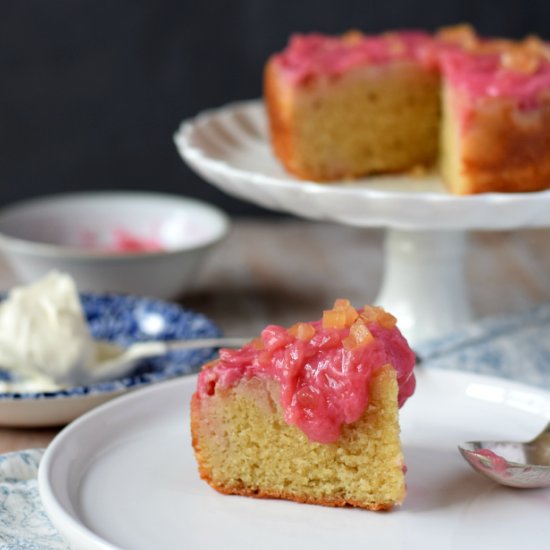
(146, 244)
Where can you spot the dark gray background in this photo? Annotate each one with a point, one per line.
(92, 90)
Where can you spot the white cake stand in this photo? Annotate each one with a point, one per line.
(426, 228)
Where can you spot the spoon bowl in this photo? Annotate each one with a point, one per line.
(524, 465)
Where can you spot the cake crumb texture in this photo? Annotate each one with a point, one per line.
(372, 120)
(243, 446)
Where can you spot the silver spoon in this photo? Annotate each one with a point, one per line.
(524, 465)
(114, 361)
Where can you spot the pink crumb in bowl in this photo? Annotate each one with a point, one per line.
(121, 240)
(124, 241)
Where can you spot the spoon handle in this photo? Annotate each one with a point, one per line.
(206, 343)
(119, 364)
(152, 349)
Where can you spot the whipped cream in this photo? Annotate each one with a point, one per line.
(43, 334)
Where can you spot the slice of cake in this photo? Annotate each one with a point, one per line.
(309, 413)
(495, 133)
(343, 107)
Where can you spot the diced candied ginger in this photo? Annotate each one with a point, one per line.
(538, 46)
(378, 315)
(351, 312)
(302, 331)
(521, 60)
(352, 37)
(359, 335)
(334, 318)
(351, 315)
(342, 315)
(463, 35)
(396, 46)
(361, 332)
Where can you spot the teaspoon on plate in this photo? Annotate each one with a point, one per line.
(524, 465)
(114, 361)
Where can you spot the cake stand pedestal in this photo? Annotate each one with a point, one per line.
(426, 227)
(423, 283)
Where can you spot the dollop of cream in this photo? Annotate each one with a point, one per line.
(43, 334)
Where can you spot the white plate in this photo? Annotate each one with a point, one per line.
(124, 476)
(230, 148)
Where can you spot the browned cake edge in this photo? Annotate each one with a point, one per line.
(280, 120)
(509, 154)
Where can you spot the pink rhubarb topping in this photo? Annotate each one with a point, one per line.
(312, 55)
(488, 76)
(323, 368)
(482, 68)
(479, 67)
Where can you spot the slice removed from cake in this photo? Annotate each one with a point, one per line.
(309, 413)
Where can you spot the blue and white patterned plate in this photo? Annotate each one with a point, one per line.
(121, 319)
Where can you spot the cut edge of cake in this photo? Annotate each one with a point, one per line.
(287, 448)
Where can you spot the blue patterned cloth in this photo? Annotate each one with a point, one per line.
(516, 348)
(23, 521)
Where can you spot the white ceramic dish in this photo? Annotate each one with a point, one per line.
(124, 476)
(230, 148)
(146, 244)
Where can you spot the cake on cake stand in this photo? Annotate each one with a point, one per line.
(425, 227)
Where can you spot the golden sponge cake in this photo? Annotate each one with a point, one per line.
(308, 414)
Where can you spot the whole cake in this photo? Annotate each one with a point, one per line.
(353, 105)
(308, 413)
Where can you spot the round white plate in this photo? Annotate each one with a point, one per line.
(124, 476)
(230, 148)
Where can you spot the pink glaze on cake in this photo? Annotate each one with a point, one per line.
(323, 384)
(124, 241)
(312, 55)
(477, 71)
(482, 75)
